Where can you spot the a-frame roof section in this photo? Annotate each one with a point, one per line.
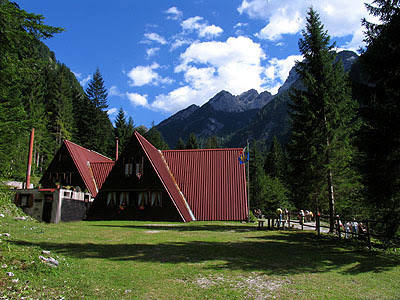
(212, 180)
(83, 158)
(160, 166)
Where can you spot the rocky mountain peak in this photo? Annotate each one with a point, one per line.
(225, 101)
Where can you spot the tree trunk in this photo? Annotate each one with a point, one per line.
(331, 202)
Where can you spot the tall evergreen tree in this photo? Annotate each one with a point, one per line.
(96, 90)
(192, 142)
(121, 129)
(321, 116)
(181, 145)
(130, 128)
(20, 59)
(156, 139)
(275, 163)
(380, 135)
(257, 178)
(102, 126)
(212, 143)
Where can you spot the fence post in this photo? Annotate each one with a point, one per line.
(289, 220)
(368, 235)
(318, 224)
(338, 227)
(269, 223)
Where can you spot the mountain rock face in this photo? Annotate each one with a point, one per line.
(234, 119)
(225, 101)
(221, 116)
(273, 119)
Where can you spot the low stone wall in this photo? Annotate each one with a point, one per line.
(72, 210)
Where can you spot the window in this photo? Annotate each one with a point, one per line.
(156, 199)
(139, 167)
(112, 199)
(124, 199)
(24, 200)
(143, 199)
(128, 169)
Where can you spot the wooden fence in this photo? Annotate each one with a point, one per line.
(363, 230)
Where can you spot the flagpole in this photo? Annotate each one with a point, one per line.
(248, 180)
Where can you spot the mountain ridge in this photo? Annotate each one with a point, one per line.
(233, 119)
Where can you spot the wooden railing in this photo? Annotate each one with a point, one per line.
(361, 229)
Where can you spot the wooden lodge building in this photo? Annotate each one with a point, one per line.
(69, 184)
(77, 167)
(148, 184)
(179, 185)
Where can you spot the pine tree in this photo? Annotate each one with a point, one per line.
(129, 129)
(156, 139)
(257, 179)
(212, 143)
(181, 145)
(96, 91)
(192, 142)
(121, 129)
(20, 61)
(275, 165)
(103, 139)
(380, 135)
(321, 116)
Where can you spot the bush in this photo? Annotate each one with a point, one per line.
(7, 206)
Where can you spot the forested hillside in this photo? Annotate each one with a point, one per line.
(37, 91)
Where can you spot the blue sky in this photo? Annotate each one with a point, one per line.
(158, 56)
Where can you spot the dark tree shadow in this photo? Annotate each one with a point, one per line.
(282, 253)
(185, 227)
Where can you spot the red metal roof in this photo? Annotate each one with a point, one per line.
(160, 166)
(100, 170)
(83, 158)
(212, 180)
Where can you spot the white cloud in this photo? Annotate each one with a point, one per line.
(210, 31)
(77, 75)
(209, 67)
(114, 91)
(340, 17)
(238, 25)
(278, 70)
(152, 51)
(84, 81)
(154, 37)
(192, 23)
(178, 42)
(281, 25)
(112, 111)
(173, 13)
(137, 99)
(201, 27)
(142, 75)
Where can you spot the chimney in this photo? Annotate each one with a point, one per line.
(116, 149)
(28, 171)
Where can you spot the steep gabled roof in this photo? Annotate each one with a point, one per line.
(83, 159)
(212, 180)
(160, 166)
(100, 170)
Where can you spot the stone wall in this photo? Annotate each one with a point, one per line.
(72, 210)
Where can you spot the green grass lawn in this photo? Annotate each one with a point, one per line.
(198, 260)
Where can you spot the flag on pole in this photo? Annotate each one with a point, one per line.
(244, 156)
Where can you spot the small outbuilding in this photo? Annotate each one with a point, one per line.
(186, 185)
